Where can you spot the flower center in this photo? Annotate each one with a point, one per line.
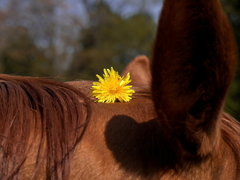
(113, 90)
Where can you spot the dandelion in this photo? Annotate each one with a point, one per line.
(112, 87)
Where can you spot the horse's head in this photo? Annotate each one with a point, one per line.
(173, 128)
(177, 111)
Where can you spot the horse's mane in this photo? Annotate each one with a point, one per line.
(32, 108)
(230, 131)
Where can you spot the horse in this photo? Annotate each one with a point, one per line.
(173, 128)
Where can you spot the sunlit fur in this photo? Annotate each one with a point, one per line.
(174, 128)
(41, 123)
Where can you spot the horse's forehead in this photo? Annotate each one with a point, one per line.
(80, 83)
(83, 86)
(141, 110)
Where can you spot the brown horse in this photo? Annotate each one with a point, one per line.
(174, 128)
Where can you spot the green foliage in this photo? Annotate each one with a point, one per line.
(111, 40)
(21, 56)
(232, 9)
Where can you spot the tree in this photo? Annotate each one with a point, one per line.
(232, 9)
(111, 40)
(21, 56)
(51, 25)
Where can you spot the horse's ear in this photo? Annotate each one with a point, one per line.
(139, 71)
(193, 64)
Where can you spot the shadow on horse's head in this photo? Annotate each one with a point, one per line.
(173, 128)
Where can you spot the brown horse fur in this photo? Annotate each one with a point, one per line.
(205, 54)
(41, 123)
(140, 71)
(174, 130)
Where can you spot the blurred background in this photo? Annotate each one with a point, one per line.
(76, 39)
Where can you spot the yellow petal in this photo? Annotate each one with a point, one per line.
(112, 87)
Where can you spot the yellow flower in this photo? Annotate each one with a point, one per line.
(112, 87)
